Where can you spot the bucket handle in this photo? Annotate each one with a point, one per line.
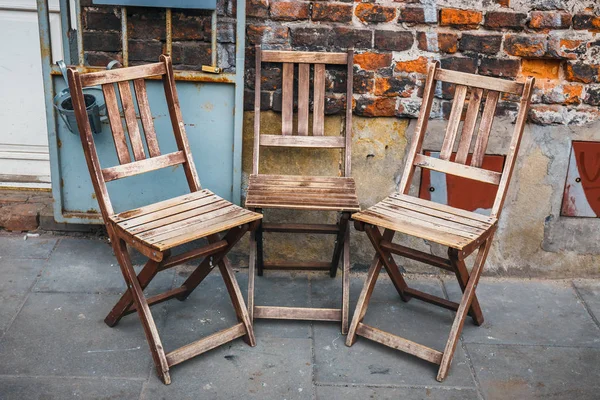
(63, 69)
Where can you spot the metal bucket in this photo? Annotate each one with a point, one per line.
(94, 105)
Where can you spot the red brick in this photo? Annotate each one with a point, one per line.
(332, 12)
(191, 27)
(540, 69)
(587, 21)
(461, 19)
(393, 41)
(20, 217)
(147, 50)
(437, 42)
(373, 13)
(311, 38)
(498, 67)
(363, 82)
(102, 41)
(373, 61)
(419, 66)
(566, 47)
(345, 38)
(376, 107)
(550, 20)
(94, 20)
(505, 20)
(102, 58)
(393, 87)
(257, 8)
(525, 46)
(191, 53)
(462, 64)
(480, 43)
(416, 15)
(267, 34)
(592, 96)
(290, 10)
(582, 72)
(149, 24)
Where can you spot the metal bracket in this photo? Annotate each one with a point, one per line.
(211, 69)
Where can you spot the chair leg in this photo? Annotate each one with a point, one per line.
(346, 280)
(145, 276)
(238, 301)
(156, 348)
(251, 275)
(387, 259)
(463, 309)
(363, 299)
(462, 275)
(339, 243)
(259, 247)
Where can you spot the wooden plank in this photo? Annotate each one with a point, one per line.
(126, 215)
(452, 168)
(301, 266)
(122, 74)
(146, 116)
(479, 81)
(417, 255)
(453, 121)
(207, 250)
(346, 281)
(444, 208)
(327, 198)
(157, 299)
(257, 98)
(332, 142)
(116, 125)
(348, 127)
(133, 129)
(339, 243)
(301, 228)
(323, 191)
(399, 343)
(469, 126)
(287, 99)
(143, 166)
(319, 101)
(300, 206)
(203, 345)
(515, 143)
(298, 313)
(303, 94)
(417, 142)
(437, 213)
(462, 275)
(485, 127)
(307, 57)
(431, 299)
(301, 178)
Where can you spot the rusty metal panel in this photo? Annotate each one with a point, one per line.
(581, 197)
(458, 192)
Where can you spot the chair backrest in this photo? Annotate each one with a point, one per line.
(302, 139)
(142, 160)
(476, 86)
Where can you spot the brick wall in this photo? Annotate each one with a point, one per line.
(557, 41)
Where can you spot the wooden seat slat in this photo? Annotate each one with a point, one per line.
(443, 207)
(138, 212)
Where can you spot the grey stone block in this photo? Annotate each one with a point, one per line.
(14, 246)
(590, 293)
(384, 393)
(18, 276)
(536, 372)
(35, 388)
(529, 312)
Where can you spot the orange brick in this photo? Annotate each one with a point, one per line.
(542, 69)
(419, 65)
(373, 61)
(376, 107)
(572, 93)
(460, 18)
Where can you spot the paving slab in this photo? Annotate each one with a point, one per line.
(13, 246)
(89, 266)
(60, 334)
(589, 290)
(18, 276)
(274, 369)
(383, 393)
(536, 372)
(35, 388)
(367, 362)
(529, 312)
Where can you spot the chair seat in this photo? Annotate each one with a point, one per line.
(180, 220)
(431, 221)
(302, 192)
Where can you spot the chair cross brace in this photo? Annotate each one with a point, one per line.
(468, 305)
(341, 251)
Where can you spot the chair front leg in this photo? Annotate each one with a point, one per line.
(460, 269)
(339, 243)
(156, 348)
(463, 309)
(346, 280)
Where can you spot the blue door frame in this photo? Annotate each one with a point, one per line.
(212, 109)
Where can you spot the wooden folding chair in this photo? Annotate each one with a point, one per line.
(155, 229)
(294, 192)
(461, 231)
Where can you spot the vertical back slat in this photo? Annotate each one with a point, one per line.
(319, 100)
(116, 125)
(303, 92)
(257, 99)
(131, 120)
(457, 107)
(146, 115)
(469, 125)
(484, 128)
(287, 99)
